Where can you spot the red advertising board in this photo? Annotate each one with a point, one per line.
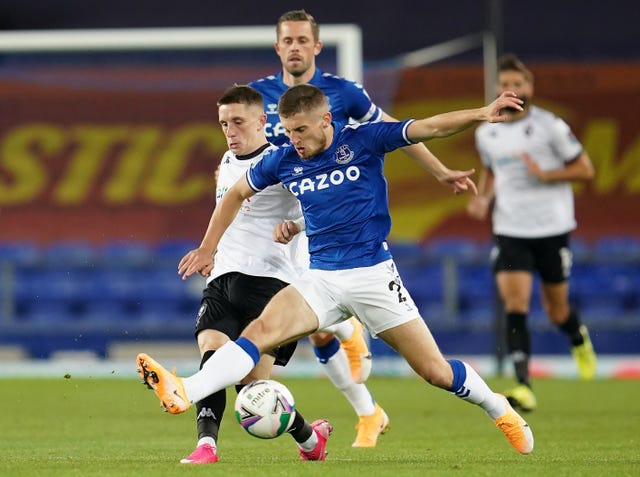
(129, 154)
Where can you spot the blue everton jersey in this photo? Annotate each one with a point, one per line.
(342, 191)
(348, 101)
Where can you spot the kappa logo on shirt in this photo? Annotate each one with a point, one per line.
(344, 154)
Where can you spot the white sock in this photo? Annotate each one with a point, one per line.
(207, 440)
(310, 443)
(338, 371)
(343, 330)
(228, 365)
(476, 391)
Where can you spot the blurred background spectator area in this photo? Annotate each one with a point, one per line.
(107, 160)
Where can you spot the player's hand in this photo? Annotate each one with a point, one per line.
(478, 207)
(285, 231)
(460, 181)
(508, 99)
(532, 167)
(196, 261)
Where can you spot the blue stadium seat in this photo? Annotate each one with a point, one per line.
(173, 250)
(459, 247)
(126, 253)
(476, 291)
(423, 280)
(617, 247)
(107, 311)
(403, 251)
(580, 249)
(71, 253)
(20, 253)
(48, 311)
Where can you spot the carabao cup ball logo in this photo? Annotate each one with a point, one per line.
(265, 409)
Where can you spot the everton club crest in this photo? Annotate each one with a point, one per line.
(344, 155)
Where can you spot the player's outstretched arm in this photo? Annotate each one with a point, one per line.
(447, 124)
(224, 213)
(423, 156)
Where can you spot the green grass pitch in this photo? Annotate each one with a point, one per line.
(99, 427)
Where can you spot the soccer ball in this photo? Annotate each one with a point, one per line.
(265, 408)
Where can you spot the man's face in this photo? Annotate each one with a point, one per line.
(307, 131)
(242, 125)
(516, 82)
(296, 47)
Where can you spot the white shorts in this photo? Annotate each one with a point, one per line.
(375, 295)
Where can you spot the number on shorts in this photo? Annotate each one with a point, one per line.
(393, 285)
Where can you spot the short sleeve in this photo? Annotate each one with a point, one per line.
(264, 172)
(563, 141)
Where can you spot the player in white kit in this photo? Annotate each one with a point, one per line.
(297, 45)
(336, 172)
(249, 269)
(530, 162)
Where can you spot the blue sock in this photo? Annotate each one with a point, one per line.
(459, 374)
(249, 348)
(325, 352)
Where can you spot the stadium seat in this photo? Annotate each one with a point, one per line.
(173, 250)
(476, 291)
(459, 247)
(71, 253)
(617, 247)
(126, 253)
(403, 251)
(423, 280)
(48, 311)
(580, 249)
(20, 253)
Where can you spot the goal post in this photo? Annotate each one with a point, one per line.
(346, 38)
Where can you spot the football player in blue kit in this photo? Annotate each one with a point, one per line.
(335, 171)
(297, 45)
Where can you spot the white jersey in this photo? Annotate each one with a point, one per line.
(526, 207)
(247, 246)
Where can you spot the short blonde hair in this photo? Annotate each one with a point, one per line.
(299, 16)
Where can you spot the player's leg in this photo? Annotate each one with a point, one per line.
(554, 262)
(416, 344)
(372, 420)
(311, 438)
(354, 343)
(514, 289)
(286, 318)
(210, 409)
(221, 317)
(513, 267)
(378, 297)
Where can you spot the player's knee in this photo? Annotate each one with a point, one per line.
(319, 340)
(263, 334)
(437, 374)
(558, 313)
(211, 340)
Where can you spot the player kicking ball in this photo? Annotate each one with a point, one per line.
(335, 171)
